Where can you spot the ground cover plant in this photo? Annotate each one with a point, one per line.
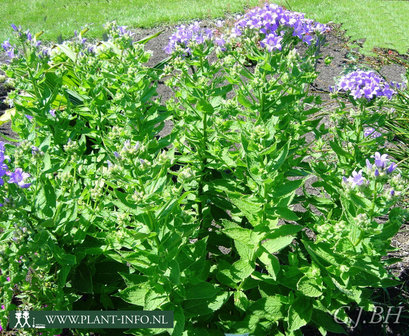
(215, 221)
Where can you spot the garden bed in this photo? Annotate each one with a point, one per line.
(340, 52)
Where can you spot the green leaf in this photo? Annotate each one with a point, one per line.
(326, 321)
(248, 207)
(7, 116)
(299, 314)
(150, 37)
(287, 214)
(355, 234)
(245, 240)
(361, 201)
(179, 318)
(271, 263)
(240, 234)
(309, 287)
(75, 98)
(288, 187)
(82, 279)
(342, 154)
(321, 252)
(162, 63)
(276, 244)
(243, 100)
(174, 275)
(46, 200)
(63, 275)
(201, 290)
(269, 308)
(278, 162)
(205, 107)
(154, 299)
(241, 301)
(135, 294)
(68, 51)
(225, 276)
(284, 230)
(219, 301)
(242, 269)
(133, 279)
(122, 198)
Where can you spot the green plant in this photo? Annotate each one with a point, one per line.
(397, 123)
(215, 221)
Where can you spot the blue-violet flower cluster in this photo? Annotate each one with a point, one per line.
(185, 35)
(366, 84)
(371, 132)
(381, 167)
(9, 49)
(18, 176)
(269, 21)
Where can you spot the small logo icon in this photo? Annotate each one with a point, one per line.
(18, 318)
(25, 315)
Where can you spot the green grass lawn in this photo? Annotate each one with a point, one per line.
(383, 23)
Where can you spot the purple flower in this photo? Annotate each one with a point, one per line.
(271, 42)
(381, 160)
(14, 27)
(10, 53)
(368, 164)
(185, 35)
(220, 41)
(29, 117)
(3, 171)
(29, 36)
(117, 155)
(3, 307)
(371, 132)
(3, 167)
(366, 84)
(34, 150)
(392, 192)
(44, 53)
(391, 168)
(122, 30)
(52, 112)
(356, 179)
(18, 177)
(271, 19)
(381, 165)
(6, 45)
(8, 279)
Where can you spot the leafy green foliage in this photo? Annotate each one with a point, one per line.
(214, 221)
